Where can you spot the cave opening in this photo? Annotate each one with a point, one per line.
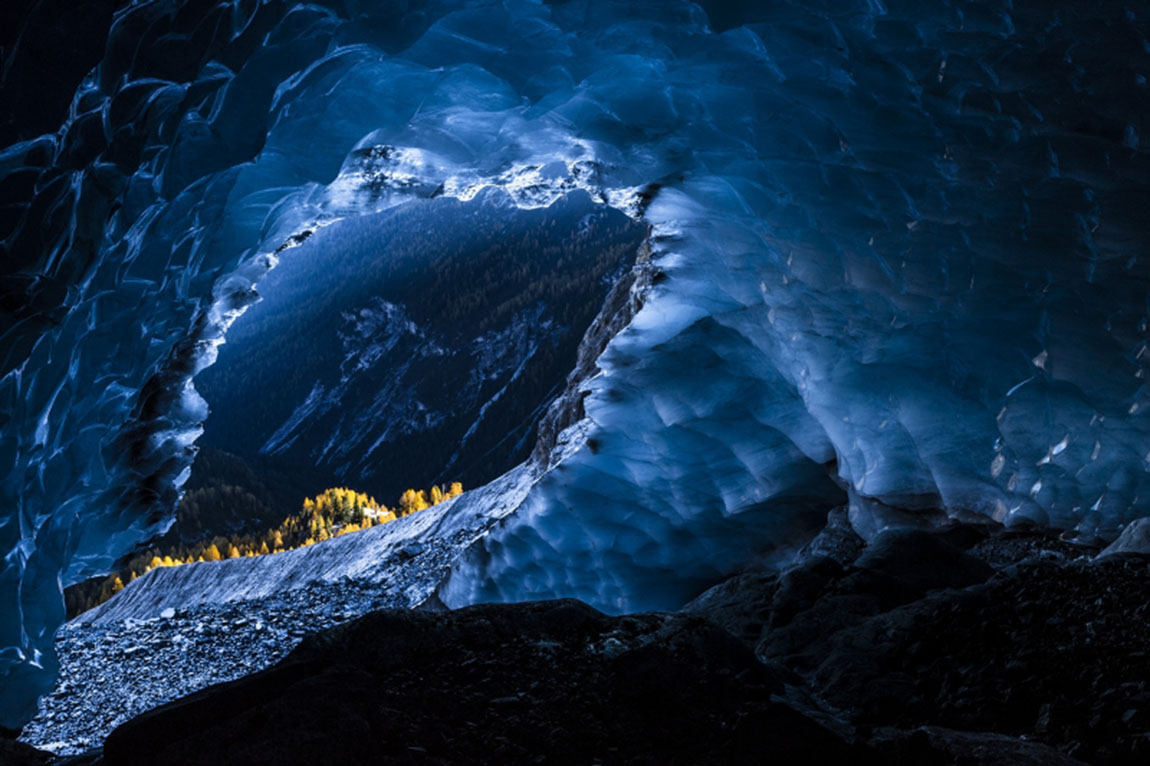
(894, 277)
(412, 347)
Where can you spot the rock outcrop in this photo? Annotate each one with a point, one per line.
(1135, 538)
(973, 643)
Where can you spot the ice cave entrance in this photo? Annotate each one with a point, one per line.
(409, 348)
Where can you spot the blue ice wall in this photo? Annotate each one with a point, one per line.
(900, 255)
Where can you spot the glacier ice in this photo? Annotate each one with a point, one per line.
(899, 259)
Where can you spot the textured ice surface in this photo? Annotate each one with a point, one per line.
(898, 246)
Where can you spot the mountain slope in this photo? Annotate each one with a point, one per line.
(416, 346)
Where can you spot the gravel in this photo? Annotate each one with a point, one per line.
(131, 655)
(112, 673)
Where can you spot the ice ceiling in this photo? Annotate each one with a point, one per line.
(900, 258)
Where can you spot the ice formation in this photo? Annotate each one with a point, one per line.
(900, 256)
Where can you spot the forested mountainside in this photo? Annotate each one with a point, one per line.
(416, 346)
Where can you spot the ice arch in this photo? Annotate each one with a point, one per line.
(899, 252)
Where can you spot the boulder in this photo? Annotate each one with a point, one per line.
(922, 560)
(1135, 539)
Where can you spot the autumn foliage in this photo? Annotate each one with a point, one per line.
(332, 513)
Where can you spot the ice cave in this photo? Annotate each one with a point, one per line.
(882, 255)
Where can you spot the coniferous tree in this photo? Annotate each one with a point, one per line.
(335, 512)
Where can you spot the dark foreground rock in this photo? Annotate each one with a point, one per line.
(13, 753)
(962, 646)
(548, 682)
